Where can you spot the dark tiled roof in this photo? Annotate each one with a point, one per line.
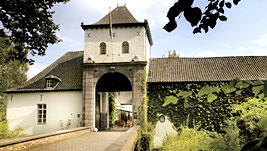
(119, 15)
(207, 69)
(68, 68)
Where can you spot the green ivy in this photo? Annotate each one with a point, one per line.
(112, 109)
(207, 103)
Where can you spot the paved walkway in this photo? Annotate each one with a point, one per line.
(112, 140)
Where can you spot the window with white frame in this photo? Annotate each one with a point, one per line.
(49, 83)
(103, 48)
(125, 47)
(41, 113)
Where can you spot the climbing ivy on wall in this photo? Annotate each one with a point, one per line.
(204, 103)
(112, 108)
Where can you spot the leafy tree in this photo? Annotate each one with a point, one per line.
(30, 25)
(198, 19)
(173, 54)
(12, 73)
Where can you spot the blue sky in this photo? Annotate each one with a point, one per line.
(244, 33)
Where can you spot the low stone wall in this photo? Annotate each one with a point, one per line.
(130, 144)
(24, 143)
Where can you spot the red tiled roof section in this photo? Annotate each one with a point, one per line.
(207, 69)
(119, 15)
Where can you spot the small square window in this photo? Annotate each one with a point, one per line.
(41, 113)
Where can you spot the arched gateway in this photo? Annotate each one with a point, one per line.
(114, 60)
(109, 82)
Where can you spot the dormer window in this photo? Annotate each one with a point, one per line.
(125, 47)
(51, 82)
(102, 48)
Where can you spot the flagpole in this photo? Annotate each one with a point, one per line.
(110, 33)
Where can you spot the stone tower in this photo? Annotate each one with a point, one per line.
(114, 64)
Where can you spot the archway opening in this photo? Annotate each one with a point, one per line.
(113, 82)
(113, 106)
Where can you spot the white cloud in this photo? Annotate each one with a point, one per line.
(258, 47)
(257, 52)
(206, 54)
(35, 69)
(262, 40)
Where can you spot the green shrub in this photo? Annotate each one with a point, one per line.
(195, 139)
(144, 141)
(189, 139)
(229, 140)
(256, 145)
(5, 132)
(251, 119)
(145, 138)
(3, 101)
(67, 125)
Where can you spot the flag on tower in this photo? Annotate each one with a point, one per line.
(110, 25)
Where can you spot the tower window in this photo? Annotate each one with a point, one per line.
(125, 47)
(103, 48)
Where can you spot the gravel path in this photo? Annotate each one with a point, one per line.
(96, 141)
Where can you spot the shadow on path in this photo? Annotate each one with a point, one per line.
(116, 130)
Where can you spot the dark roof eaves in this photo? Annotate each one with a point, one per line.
(192, 81)
(144, 24)
(148, 32)
(113, 25)
(39, 90)
(219, 57)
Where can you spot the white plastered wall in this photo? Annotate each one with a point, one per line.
(125, 97)
(22, 110)
(148, 54)
(135, 36)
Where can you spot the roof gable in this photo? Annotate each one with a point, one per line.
(119, 15)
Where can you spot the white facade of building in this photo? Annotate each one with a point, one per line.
(58, 92)
(22, 110)
(139, 47)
